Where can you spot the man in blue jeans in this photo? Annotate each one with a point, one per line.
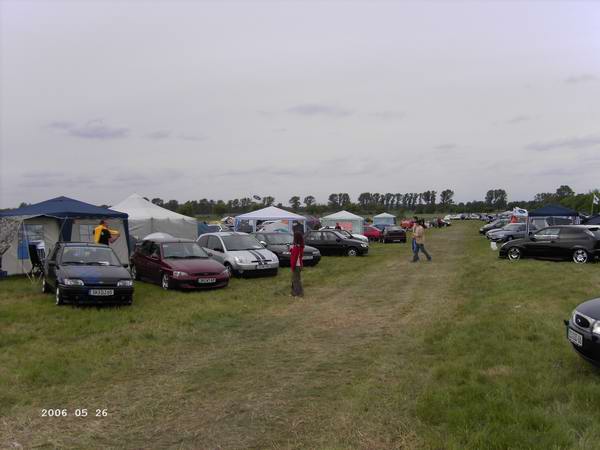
(419, 241)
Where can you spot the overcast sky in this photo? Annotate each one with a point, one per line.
(186, 100)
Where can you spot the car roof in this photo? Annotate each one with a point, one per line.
(226, 233)
(168, 240)
(271, 232)
(81, 244)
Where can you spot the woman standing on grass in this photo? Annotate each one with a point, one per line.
(296, 255)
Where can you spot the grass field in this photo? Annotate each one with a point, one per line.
(467, 351)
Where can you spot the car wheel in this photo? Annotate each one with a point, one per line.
(134, 273)
(45, 287)
(229, 269)
(165, 281)
(580, 256)
(352, 251)
(514, 254)
(59, 297)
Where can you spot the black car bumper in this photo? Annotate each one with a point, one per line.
(584, 342)
(284, 260)
(86, 295)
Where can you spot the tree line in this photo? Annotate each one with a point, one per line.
(367, 203)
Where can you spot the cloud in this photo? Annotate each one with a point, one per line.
(445, 147)
(573, 143)
(93, 129)
(583, 78)
(159, 135)
(517, 119)
(189, 137)
(41, 179)
(316, 109)
(388, 115)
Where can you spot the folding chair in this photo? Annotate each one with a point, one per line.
(36, 257)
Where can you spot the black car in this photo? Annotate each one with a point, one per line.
(331, 242)
(83, 273)
(580, 243)
(583, 330)
(280, 243)
(394, 234)
(498, 223)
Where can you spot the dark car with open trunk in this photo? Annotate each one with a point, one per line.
(332, 242)
(281, 243)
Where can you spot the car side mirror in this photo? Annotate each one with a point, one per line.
(263, 243)
(210, 254)
(338, 240)
(126, 265)
(532, 237)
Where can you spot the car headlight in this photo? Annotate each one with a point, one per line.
(224, 273)
(596, 327)
(286, 253)
(125, 283)
(238, 260)
(73, 282)
(178, 274)
(364, 245)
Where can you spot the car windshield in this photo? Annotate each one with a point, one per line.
(278, 239)
(237, 242)
(345, 233)
(89, 256)
(183, 250)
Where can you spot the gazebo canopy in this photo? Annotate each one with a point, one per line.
(384, 215)
(269, 213)
(553, 211)
(64, 207)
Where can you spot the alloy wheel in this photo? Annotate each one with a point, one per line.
(352, 252)
(165, 281)
(580, 256)
(59, 300)
(514, 254)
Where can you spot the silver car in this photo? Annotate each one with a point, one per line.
(240, 253)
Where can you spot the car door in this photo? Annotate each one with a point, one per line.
(215, 246)
(333, 242)
(153, 263)
(141, 257)
(569, 239)
(545, 243)
(314, 240)
(52, 266)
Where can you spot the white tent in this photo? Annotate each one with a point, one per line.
(145, 218)
(268, 213)
(384, 219)
(346, 220)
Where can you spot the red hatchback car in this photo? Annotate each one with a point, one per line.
(177, 263)
(374, 234)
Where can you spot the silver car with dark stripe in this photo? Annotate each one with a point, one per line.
(240, 253)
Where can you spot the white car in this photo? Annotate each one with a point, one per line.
(240, 253)
(360, 237)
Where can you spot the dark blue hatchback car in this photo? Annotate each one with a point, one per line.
(83, 273)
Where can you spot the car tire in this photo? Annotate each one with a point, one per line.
(352, 251)
(514, 253)
(59, 298)
(45, 287)
(134, 273)
(580, 256)
(229, 269)
(165, 281)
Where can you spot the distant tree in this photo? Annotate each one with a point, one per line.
(446, 198)
(172, 205)
(268, 200)
(23, 204)
(334, 200)
(158, 201)
(295, 202)
(309, 201)
(344, 199)
(564, 191)
(365, 199)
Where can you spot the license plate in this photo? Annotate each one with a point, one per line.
(102, 292)
(575, 337)
(307, 257)
(262, 266)
(206, 280)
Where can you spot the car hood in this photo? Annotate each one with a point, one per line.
(280, 248)
(253, 255)
(195, 265)
(591, 308)
(95, 274)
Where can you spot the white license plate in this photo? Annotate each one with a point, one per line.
(307, 257)
(575, 338)
(262, 266)
(102, 292)
(206, 280)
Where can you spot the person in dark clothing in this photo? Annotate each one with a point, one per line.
(297, 253)
(338, 226)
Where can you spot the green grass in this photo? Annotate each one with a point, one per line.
(465, 352)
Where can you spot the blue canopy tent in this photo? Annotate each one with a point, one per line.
(59, 219)
(552, 215)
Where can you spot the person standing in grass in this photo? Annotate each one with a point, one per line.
(419, 241)
(296, 255)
